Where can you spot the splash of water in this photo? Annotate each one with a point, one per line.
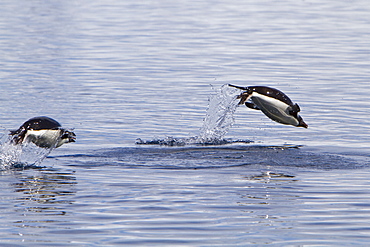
(219, 119)
(220, 114)
(20, 156)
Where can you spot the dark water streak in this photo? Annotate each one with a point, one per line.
(208, 157)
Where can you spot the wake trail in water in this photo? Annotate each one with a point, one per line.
(217, 123)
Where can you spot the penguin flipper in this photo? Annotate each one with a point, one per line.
(252, 106)
(238, 87)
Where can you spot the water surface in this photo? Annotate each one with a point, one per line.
(119, 71)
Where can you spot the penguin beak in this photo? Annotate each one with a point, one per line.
(69, 135)
(72, 137)
(302, 124)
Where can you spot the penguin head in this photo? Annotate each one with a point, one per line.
(66, 137)
(293, 111)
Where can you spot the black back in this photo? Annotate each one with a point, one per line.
(39, 123)
(273, 93)
(36, 123)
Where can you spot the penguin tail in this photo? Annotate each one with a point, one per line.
(18, 136)
(13, 132)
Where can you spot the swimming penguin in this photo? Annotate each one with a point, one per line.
(273, 103)
(44, 132)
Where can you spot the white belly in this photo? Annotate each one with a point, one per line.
(274, 109)
(44, 138)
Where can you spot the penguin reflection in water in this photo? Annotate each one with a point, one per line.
(273, 103)
(44, 132)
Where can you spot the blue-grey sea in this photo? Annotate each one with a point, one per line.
(141, 82)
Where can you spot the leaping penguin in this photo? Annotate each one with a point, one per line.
(273, 103)
(44, 132)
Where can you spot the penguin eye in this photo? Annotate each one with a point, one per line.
(293, 110)
(296, 108)
(64, 136)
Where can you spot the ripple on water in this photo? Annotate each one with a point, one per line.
(208, 157)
